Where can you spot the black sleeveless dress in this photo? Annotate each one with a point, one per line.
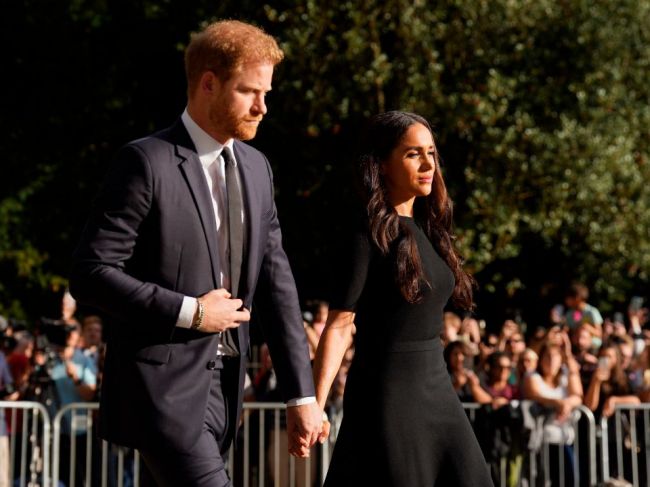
(403, 424)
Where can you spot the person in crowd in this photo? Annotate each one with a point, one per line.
(556, 383)
(496, 424)
(314, 328)
(486, 347)
(644, 365)
(470, 331)
(514, 348)
(579, 311)
(320, 316)
(498, 380)
(68, 309)
(609, 384)
(451, 324)
(527, 365)
(402, 422)
(19, 360)
(556, 386)
(7, 393)
(182, 235)
(73, 373)
(465, 381)
(582, 340)
(638, 317)
(91, 338)
(73, 379)
(509, 328)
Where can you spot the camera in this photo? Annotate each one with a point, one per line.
(52, 332)
(51, 338)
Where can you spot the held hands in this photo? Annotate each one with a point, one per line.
(305, 426)
(221, 312)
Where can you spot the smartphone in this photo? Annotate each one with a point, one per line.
(603, 363)
(636, 303)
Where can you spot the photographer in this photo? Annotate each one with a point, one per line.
(7, 393)
(65, 375)
(72, 372)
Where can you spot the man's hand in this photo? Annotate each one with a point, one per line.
(304, 426)
(220, 312)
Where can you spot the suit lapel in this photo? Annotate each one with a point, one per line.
(192, 171)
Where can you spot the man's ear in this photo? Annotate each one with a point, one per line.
(209, 83)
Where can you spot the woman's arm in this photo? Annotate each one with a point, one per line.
(592, 398)
(335, 340)
(533, 391)
(480, 395)
(612, 401)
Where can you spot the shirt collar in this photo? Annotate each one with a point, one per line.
(207, 147)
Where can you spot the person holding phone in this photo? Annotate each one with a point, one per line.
(609, 384)
(556, 385)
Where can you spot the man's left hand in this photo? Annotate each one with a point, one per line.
(304, 424)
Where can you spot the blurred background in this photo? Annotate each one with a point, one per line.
(541, 111)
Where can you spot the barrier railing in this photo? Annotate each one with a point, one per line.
(631, 442)
(44, 452)
(88, 460)
(29, 426)
(526, 466)
(259, 458)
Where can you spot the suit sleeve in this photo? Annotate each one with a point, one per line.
(277, 300)
(99, 276)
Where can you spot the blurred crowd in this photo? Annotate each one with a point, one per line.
(579, 359)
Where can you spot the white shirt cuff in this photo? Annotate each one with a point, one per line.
(186, 314)
(300, 401)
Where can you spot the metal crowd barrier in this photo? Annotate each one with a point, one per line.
(631, 442)
(260, 456)
(88, 460)
(531, 459)
(28, 456)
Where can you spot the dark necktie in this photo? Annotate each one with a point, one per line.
(235, 237)
(235, 224)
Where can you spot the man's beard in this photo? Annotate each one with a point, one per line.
(234, 127)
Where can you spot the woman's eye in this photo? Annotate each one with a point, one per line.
(412, 155)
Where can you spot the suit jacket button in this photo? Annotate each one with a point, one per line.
(211, 365)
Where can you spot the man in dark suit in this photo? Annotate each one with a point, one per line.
(183, 234)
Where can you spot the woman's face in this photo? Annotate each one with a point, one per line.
(529, 361)
(457, 359)
(409, 170)
(502, 369)
(516, 344)
(551, 362)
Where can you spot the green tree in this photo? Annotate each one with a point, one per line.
(540, 108)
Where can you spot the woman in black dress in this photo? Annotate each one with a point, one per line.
(403, 424)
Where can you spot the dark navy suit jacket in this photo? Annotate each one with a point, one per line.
(150, 240)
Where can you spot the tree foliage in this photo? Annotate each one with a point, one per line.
(541, 111)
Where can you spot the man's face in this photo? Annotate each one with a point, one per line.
(237, 106)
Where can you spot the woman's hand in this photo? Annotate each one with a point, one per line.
(609, 407)
(563, 411)
(472, 378)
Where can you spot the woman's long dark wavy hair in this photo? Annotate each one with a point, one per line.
(433, 213)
